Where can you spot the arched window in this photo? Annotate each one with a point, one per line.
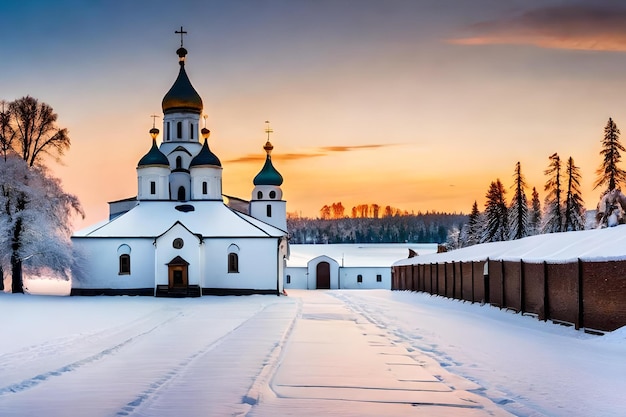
(181, 193)
(123, 251)
(179, 130)
(167, 131)
(233, 258)
(191, 130)
(269, 210)
(233, 262)
(259, 195)
(359, 278)
(272, 194)
(179, 162)
(205, 187)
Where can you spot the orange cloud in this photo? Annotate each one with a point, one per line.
(564, 27)
(323, 151)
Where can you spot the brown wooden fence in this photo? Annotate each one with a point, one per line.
(589, 295)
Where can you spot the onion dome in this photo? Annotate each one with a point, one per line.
(268, 174)
(182, 97)
(205, 156)
(154, 155)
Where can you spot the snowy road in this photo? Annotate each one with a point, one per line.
(347, 353)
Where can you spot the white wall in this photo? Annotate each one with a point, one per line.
(348, 277)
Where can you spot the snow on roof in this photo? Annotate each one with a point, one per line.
(589, 245)
(357, 255)
(208, 219)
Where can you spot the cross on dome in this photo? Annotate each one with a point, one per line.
(181, 32)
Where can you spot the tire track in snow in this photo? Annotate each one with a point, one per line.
(45, 376)
(250, 398)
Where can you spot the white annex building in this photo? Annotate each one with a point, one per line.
(177, 237)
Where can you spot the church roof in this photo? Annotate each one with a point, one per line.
(154, 157)
(268, 174)
(205, 157)
(182, 97)
(209, 219)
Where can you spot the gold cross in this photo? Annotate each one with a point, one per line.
(268, 129)
(182, 32)
(154, 116)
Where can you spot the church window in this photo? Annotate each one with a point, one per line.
(167, 131)
(205, 187)
(152, 187)
(259, 195)
(288, 279)
(178, 243)
(272, 194)
(124, 264)
(359, 278)
(379, 278)
(179, 130)
(233, 262)
(191, 129)
(269, 210)
(233, 258)
(179, 162)
(181, 193)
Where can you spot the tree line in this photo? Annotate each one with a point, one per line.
(563, 206)
(429, 227)
(35, 212)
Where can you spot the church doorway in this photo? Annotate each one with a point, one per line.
(322, 276)
(177, 273)
(181, 193)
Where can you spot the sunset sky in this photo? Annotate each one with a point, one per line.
(418, 104)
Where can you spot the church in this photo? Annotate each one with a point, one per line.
(178, 237)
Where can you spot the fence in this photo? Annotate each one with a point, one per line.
(589, 295)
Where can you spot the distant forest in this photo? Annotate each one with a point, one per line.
(371, 223)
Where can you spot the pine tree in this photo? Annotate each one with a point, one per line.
(553, 217)
(518, 212)
(496, 227)
(474, 226)
(609, 173)
(574, 211)
(535, 214)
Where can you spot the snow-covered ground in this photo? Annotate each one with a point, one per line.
(348, 353)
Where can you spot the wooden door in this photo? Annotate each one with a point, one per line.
(323, 276)
(178, 276)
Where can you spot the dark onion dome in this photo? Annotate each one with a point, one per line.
(205, 157)
(182, 97)
(154, 157)
(268, 174)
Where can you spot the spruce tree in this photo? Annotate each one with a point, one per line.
(574, 211)
(553, 217)
(609, 173)
(496, 227)
(518, 212)
(535, 214)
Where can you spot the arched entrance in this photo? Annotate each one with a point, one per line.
(181, 193)
(322, 276)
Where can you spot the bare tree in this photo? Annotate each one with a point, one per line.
(36, 132)
(7, 134)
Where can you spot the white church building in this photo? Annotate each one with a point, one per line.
(177, 237)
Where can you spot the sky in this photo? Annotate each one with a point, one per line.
(415, 104)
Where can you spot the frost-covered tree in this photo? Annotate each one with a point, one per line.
(35, 221)
(518, 211)
(574, 213)
(471, 231)
(535, 214)
(609, 173)
(553, 210)
(36, 132)
(496, 224)
(7, 134)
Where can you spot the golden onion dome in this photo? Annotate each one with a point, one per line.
(182, 97)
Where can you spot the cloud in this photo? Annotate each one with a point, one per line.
(323, 151)
(565, 27)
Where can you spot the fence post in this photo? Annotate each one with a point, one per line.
(581, 316)
(546, 301)
(522, 287)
